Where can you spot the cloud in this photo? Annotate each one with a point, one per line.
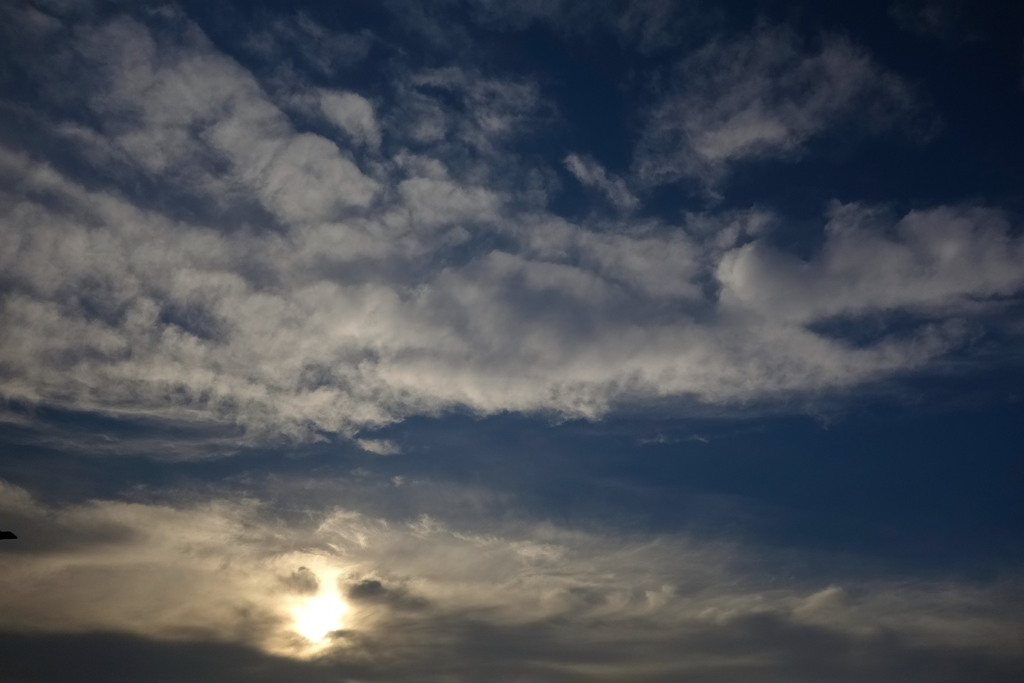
(940, 19)
(327, 52)
(366, 589)
(428, 598)
(221, 266)
(291, 336)
(379, 446)
(925, 261)
(648, 26)
(353, 114)
(490, 111)
(372, 591)
(179, 108)
(762, 95)
(592, 174)
(120, 658)
(302, 581)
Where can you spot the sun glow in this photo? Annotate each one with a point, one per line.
(317, 616)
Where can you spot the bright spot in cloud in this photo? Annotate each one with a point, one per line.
(317, 616)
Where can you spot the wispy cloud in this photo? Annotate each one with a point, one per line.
(281, 37)
(762, 95)
(379, 446)
(353, 114)
(592, 174)
(941, 19)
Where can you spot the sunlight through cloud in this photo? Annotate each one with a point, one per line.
(317, 616)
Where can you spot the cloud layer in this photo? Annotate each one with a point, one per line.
(529, 599)
(329, 262)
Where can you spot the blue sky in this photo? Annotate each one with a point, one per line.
(538, 341)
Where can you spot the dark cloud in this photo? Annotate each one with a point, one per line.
(302, 581)
(120, 658)
(372, 591)
(367, 589)
(764, 648)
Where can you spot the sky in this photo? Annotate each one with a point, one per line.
(539, 341)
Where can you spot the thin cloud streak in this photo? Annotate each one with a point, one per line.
(763, 95)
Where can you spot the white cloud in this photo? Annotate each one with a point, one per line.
(926, 261)
(431, 202)
(379, 446)
(180, 109)
(353, 114)
(341, 326)
(423, 283)
(591, 173)
(761, 95)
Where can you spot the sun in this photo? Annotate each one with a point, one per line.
(315, 617)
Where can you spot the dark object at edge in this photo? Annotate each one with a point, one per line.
(6, 535)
